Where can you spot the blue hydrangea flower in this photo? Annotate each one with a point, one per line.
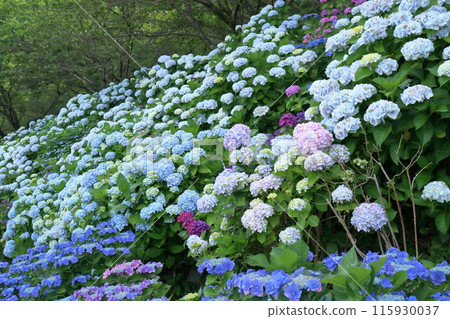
(188, 200)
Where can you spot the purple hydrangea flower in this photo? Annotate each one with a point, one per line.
(237, 136)
(293, 89)
(287, 120)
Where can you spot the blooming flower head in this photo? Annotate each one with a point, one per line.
(287, 120)
(196, 244)
(387, 67)
(417, 49)
(367, 217)
(444, 69)
(318, 161)
(342, 194)
(416, 94)
(297, 204)
(238, 135)
(216, 266)
(370, 58)
(293, 89)
(289, 236)
(377, 111)
(311, 137)
(438, 191)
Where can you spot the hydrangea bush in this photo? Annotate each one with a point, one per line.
(245, 171)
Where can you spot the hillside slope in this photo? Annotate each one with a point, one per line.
(298, 137)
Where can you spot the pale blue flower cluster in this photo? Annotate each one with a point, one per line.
(369, 216)
(318, 161)
(378, 111)
(206, 203)
(387, 67)
(437, 191)
(188, 201)
(406, 29)
(416, 94)
(417, 49)
(289, 236)
(342, 194)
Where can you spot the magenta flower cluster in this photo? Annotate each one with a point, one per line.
(311, 137)
(194, 227)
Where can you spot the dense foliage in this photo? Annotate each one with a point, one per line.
(304, 158)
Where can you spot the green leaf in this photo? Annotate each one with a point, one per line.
(123, 184)
(380, 133)
(259, 260)
(261, 237)
(339, 280)
(176, 249)
(284, 259)
(119, 207)
(349, 260)
(425, 133)
(442, 222)
(420, 119)
(134, 219)
(362, 73)
(442, 150)
(313, 221)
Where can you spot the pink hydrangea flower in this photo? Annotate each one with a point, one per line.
(293, 89)
(311, 137)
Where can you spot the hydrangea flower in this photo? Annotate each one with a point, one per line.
(318, 161)
(377, 111)
(297, 204)
(415, 94)
(342, 194)
(370, 58)
(293, 89)
(206, 203)
(346, 126)
(417, 49)
(255, 217)
(260, 111)
(289, 236)
(387, 67)
(196, 244)
(444, 69)
(339, 153)
(437, 190)
(237, 136)
(287, 120)
(188, 200)
(217, 266)
(311, 137)
(369, 216)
